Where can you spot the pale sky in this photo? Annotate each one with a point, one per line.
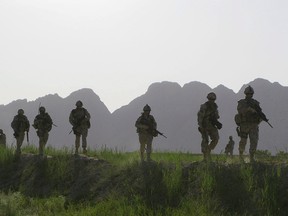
(119, 47)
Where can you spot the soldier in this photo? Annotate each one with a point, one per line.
(80, 120)
(208, 125)
(248, 119)
(146, 129)
(43, 124)
(20, 125)
(2, 139)
(230, 147)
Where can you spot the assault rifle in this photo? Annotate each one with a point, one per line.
(259, 112)
(158, 132)
(215, 122)
(27, 136)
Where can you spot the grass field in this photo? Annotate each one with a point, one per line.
(109, 182)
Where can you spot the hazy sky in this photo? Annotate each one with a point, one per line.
(119, 47)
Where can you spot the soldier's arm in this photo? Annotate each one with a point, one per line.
(152, 122)
(35, 123)
(200, 116)
(88, 116)
(27, 124)
(71, 118)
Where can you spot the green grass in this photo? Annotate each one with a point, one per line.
(175, 183)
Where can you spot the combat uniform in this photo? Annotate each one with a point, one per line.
(208, 125)
(2, 139)
(20, 125)
(80, 120)
(146, 129)
(248, 120)
(43, 124)
(230, 146)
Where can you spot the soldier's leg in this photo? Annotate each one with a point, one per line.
(214, 135)
(18, 146)
(41, 145)
(142, 142)
(253, 136)
(244, 130)
(204, 145)
(42, 142)
(19, 140)
(77, 143)
(242, 144)
(149, 147)
(84, 140)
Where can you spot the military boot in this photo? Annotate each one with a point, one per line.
(252, 159)
(18, 151)
(149, 157)
(76, 152)
(241, 157)
(84, 151)
(206, 157)
(41, 150)
(142, 156)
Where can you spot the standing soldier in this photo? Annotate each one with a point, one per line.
(20, 124)
(208, 125)
(80, 120)
(146, 129)
(230, 147)
(43, 124)
(248, 119)
(2, 139)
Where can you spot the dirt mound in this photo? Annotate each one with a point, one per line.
(237, 187)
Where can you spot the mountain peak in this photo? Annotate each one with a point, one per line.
(165, 84)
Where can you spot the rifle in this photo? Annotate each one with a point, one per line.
(215, 122)
(158, 132)
(259, 112)
(27, 134)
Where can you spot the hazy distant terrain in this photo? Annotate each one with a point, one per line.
(174, 108)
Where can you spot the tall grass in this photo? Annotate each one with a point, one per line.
(117, 183)
(6, 155)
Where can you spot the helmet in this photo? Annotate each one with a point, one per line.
(230, 137)
(249, 90)
(79, 103)
(1, 131)
(41, 109)
(211, 96)
(20, 111)
(146, 108)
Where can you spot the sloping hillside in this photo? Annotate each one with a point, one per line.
(234, 189)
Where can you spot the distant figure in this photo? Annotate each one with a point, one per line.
(80, 120)
(20, 125)
(2, 139)
(248, 119)
(43, 124)
(146, 129)
(208, 125)
(230, 146)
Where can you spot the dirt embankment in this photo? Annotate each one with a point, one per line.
(236, 186)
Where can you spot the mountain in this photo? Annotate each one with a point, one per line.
(174, 108)
(59, 110)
